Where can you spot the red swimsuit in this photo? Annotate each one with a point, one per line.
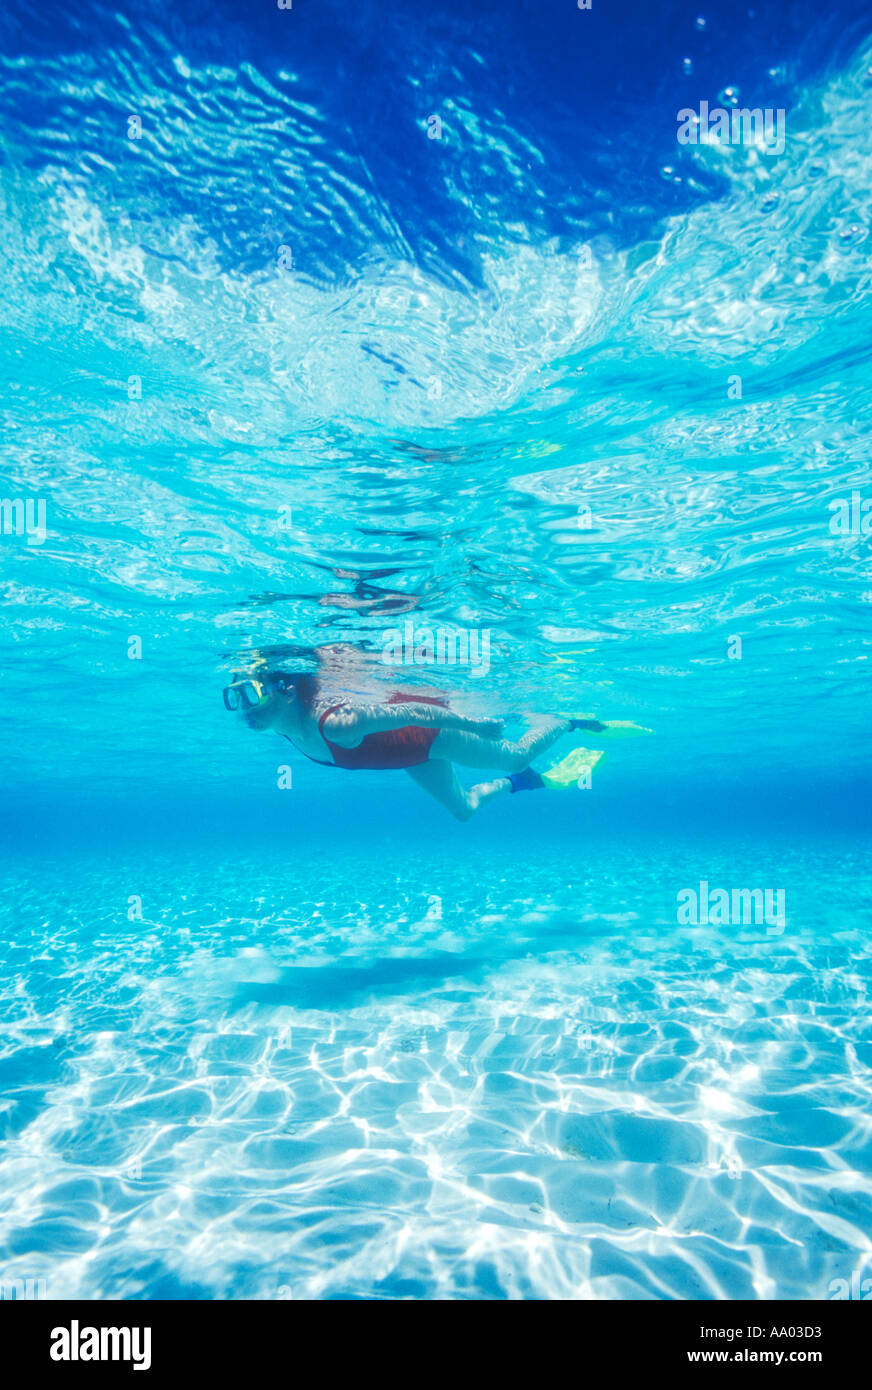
(408, 746)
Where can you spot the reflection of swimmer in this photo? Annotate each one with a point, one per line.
(367, 596)
(416, 732)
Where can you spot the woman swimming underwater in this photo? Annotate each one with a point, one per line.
(419, 733)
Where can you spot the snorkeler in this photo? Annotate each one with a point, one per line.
(418, 733)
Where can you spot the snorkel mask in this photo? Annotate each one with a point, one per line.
(247, 693)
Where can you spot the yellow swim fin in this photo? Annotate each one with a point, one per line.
(573, 770)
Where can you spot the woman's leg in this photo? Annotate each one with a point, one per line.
(504, 755)
(440, 780)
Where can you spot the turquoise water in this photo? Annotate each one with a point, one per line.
(553, 378)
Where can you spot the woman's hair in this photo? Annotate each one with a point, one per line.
(283, 679)
(285, 664)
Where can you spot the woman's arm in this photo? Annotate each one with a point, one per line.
(350, 724)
